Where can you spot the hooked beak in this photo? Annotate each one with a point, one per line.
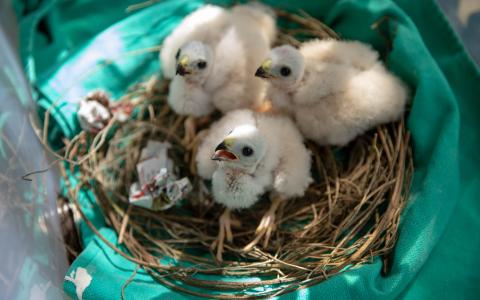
(182, 67)
(264, 70)
(181, 70)
(223, 154)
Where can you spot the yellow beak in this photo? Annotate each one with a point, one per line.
(182, 66)
(264, 70)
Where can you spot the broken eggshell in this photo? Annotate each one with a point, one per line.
(157, 188)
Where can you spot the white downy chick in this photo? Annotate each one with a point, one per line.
(247, 154)
(211, 74)
(334, 90)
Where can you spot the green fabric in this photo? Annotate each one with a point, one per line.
(436, 254)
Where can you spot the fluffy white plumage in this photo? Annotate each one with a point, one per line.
(206, 24)
(217, 68)
(278, 160)
(334, 90)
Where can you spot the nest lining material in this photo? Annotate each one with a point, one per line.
(349, 215)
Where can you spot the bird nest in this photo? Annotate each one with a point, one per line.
(348, 216)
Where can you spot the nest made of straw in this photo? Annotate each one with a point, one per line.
(349, 214)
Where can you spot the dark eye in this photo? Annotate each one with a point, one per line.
(202, 64)
(285, 71)
(177, 55)
(247, 151)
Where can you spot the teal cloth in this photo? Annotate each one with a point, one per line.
(436, 254)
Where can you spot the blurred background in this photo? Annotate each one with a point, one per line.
(464, 17)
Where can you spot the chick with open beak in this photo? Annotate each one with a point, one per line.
(222, 152)
(241, 150)
(234, 185)
(247, 154)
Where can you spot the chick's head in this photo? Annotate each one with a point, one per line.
(194, 61)
(284, 67)
(243, 148)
